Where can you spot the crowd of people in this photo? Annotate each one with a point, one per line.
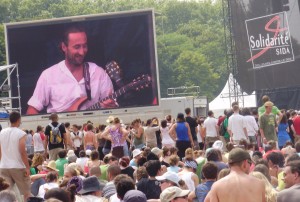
(244, 156)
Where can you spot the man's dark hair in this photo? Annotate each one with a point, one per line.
(297, 146)
(212, 155)
(263, 162)
(67, 125)
(89, 126)
(210, 113)
(276, 158)
(210, 170)
(71, 29)
(59, 194)
(246, 111)
(163, 123)
(114, 170)
(153, 167)
(169, 118)
(39, 128)
(94, 155)
(295, 167)
(263, 169)
(187, 111)
(82, 154)
(180, 117)
(14, 116)
(62, 154)
(123, 184)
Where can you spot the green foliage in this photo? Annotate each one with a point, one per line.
(190, 35)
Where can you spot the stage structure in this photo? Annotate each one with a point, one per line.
(264, 49)
(6, 97)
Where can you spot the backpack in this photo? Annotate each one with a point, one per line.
(222, 129)
(55, 135)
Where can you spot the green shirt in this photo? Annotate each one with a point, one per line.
(268, 124)
(60, 166)
(262, 110)
(103, 169)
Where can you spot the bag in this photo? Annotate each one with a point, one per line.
(55, 135)
(118, 151)
(222, 129)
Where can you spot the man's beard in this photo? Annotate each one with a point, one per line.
(76, 60)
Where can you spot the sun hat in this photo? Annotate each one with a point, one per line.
(157, 151)
(172, 192)
(134, 196)
(171, 176)
(218, 145)
(136, 152)
(238, 155)
(52, 165)
(110, 119)
(90, 184)
(70, 153)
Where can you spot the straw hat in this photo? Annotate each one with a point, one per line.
(52, 165)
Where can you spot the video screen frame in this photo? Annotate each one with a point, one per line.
(133, 48)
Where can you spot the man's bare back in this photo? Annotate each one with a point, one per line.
(237, 187)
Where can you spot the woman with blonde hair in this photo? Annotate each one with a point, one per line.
(270, 192)
(37, 162)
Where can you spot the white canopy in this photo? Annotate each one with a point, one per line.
(222, 101)
(3, 68)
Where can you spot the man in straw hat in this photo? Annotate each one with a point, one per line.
(246, 188)
(268, 124)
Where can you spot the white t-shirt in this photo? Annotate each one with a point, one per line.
(46, 187)
(166, 138)
(82, 161)
(237, 123)
(210, 124)
(9, 142)
(38, 143)
(199, 138)
(77, 142)
(251, 125)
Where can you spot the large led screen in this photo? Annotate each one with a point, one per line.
(84, 63)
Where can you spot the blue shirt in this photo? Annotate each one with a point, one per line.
(202, 190)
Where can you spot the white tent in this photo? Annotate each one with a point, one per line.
(222, 101)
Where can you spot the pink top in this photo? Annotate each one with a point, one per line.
(57, 89)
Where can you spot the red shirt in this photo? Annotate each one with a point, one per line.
(221, 119)
(296, 123)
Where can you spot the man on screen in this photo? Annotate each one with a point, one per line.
(72, 84)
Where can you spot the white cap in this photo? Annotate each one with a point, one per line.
(218, 145)
(136, 152)
(171, 176)
(157, 151)
(172, 192)
(70, 153)
(88, 152)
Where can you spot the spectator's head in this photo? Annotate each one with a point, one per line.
(291, 174)
(39, 129)
(141, 172)
(243, 143)
(153, 168)
(246, 111)
(74, 184)
(173, 151)
(67, 124)
(264, 170)
(210, 171)
(124, 162)
(213, 155)
(7, 196)
(223, 173)
(297, 146)
(187, 111)
(171, 194)
(157, 151)
(229, 146)
(168, 179)
(273, 144)
(173, 160)
(136, 154)
(37, 160)
(3, 184)
(63, 153)
(163, 123)
(91, 186)
(134, 196)
(189, 155)
(180, 117)
(123, 184)
(112, 160)
(15, 118)
(113, 171)
(94, 155)
(265, 99)
(169, 118)
(292, 157)
(82, 154)
(235, 108)
(210, 113)
(235, 103)
(191, 165)
(53, 117)
(275, 159)
(58, 193)
(95, 171)
(51, 177)
(89, 127)
(239, 158)
(148, 122)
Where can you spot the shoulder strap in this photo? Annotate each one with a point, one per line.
(86, 74)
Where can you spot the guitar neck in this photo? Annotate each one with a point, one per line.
(115, 95)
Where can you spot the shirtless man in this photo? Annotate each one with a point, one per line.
(90, 140)
(238, 185)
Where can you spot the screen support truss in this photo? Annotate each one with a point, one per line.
(6, 97)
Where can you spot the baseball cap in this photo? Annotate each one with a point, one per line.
(172, 192)
(238, 155)
(134, 196)
(171, 176)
